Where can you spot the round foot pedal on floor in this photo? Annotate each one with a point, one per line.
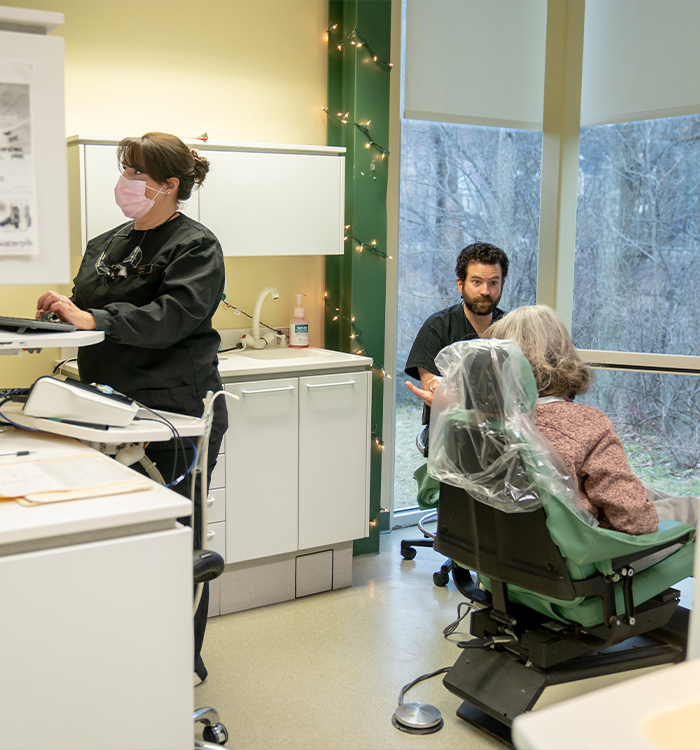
(417, 718)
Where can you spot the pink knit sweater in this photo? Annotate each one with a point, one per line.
(592, 453)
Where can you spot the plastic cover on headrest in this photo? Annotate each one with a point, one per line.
(482, 433)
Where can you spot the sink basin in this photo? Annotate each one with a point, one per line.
(278, 352)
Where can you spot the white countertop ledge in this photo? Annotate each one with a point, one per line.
(287, 360)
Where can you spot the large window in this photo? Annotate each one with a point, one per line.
(459, 184)
(657, 417)
(637, 286)
(637, 272)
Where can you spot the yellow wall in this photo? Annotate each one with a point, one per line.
(240, 70)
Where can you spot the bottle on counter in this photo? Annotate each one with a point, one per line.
(299, 326)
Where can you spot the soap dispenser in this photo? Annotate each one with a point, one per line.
(299, 327)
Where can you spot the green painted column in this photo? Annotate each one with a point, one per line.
(358, 119)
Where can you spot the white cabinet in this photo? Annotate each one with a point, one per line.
(297, 464)
(85, 618)
(257, 199)
(216, 507)
(262, 447)
(333, 448)
(274, 203)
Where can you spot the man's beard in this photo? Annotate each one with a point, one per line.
(481, 305)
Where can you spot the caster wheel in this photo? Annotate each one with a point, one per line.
(441, 579)
(408, 553)
(215, 733)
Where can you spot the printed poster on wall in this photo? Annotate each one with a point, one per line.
(18, 220)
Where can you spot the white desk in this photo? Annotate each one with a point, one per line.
(14, 343)
(96, 628)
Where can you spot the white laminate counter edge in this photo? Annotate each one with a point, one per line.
(17, 342)
(239, 365)
(283, 361)
(79, 517)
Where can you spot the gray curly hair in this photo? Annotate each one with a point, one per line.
(545, 342)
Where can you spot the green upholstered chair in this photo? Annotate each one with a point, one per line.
(557, 597)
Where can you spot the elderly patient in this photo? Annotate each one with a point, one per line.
(582, 435)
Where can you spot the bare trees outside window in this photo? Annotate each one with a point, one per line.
(459, 184)
(637, 285)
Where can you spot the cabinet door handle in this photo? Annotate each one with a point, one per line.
(330, 385)
(269, 390)
(210, 501)
(210, 535)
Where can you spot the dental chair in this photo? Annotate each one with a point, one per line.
(556, 598)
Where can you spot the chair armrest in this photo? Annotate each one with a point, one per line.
(630, 548)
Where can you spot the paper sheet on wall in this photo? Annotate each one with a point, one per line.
(74, 477)
(18, 219)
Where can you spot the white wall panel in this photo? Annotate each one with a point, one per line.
(479, 62)
(641, 60)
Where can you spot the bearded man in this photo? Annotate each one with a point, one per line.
(481, 273)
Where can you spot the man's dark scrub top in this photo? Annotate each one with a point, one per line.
(440, 330)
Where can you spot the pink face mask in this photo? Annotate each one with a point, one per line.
(130, 196)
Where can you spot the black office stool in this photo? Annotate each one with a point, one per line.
(408, 551)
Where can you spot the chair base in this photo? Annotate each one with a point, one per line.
(485, 723)
(496, 686)
(440, 577)
(215, 733)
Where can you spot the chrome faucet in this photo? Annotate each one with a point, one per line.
(256, 341)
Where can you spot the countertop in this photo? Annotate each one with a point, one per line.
(89, 517)
(274, 361)
(657, 710)
(287, 361)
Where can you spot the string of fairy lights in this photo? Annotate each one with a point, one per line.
(355, 40)
(344, 118)
(360, 246)
(356, 339)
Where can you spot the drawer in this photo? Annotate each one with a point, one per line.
(216, 537)
(218, 476)
(216, 506)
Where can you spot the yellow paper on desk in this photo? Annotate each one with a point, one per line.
(67, 478)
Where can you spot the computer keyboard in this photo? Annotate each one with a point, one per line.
(29, 325)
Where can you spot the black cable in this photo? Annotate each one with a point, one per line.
(15, 424)
(188, 470)
(450, 629)
(229, 306)
(65, 361)
(176, 436)
(411, 684)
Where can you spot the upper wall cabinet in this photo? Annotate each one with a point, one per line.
(257, 199)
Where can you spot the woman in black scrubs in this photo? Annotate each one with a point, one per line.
(153, 285)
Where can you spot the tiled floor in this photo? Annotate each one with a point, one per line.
(325, 672)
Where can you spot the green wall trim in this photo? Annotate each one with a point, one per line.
(358, 86)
